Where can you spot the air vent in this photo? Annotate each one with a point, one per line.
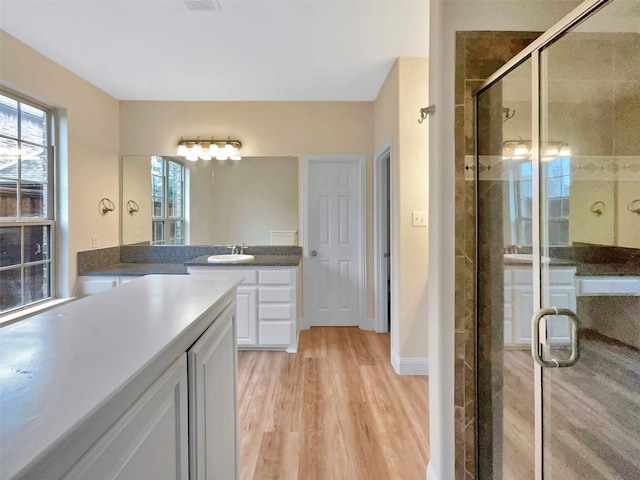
(203, 5)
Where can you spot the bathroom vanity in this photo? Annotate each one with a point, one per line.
(268, 297)
(131, 383)
(267, 300)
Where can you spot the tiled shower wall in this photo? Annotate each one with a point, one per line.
(478, 55)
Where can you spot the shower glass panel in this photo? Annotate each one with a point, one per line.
(589, 179)
(505, 286)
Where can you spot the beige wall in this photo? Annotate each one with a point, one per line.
(396, 111)
(136, 186)
(89, 162)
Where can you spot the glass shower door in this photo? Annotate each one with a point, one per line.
(589, 230)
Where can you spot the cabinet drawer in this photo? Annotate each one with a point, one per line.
(276, 295)
(250, 276)
(275, 333)
(275, 312)
(276, 277)
(562, 277)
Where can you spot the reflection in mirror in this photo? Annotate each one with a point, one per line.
(225, 202)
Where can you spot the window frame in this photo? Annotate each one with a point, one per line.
(49, 220)
(165, 219)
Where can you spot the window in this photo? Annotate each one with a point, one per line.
(167, 200)
(26, 202)
(557, 178)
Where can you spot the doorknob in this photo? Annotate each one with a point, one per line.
(535, 337)
(314, 253)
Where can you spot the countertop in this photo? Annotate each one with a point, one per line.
(608, 269)
(139, 269)
(67, 374)
(258, 261)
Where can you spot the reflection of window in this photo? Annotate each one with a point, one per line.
(556, 178)
(523, 204)
(26, 207)
(167, 195)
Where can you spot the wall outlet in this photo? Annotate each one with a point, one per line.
(419, 218)
(94, 242)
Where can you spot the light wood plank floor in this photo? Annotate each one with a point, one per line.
(593, 415)
(334, 410)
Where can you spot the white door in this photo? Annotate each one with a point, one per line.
(333, 240)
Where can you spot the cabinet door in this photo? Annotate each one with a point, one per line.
(212, 401)
(149, 441)
(522, 312)
(246, 317)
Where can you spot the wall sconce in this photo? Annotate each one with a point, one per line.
(196, 149)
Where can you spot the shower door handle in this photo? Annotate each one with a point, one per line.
(535, 338)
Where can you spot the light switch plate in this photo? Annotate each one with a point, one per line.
(419, 218)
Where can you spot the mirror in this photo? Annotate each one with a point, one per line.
(226, 202)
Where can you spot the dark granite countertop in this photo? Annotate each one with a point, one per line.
(139, 269)
(608, 269)
(258, 261)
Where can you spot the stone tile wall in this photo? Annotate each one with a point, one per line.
(478, 55)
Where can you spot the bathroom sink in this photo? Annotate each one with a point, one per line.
(522, 258)
(230, 258)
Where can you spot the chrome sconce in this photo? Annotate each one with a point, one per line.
(196, 149)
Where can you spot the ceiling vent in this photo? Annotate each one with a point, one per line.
(203, 5)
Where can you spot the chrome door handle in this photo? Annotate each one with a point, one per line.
(535, 338)
(314, 253)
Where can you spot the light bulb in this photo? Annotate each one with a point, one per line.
(182, 151)
(520, 150)
(192, 158)
(205, 156)
(565, 151)
(197, 149)
(222, 156)
(551, 151)
(229, 150)
(214, 150)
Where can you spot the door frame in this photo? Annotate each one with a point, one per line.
(360, 161)
(382, 182)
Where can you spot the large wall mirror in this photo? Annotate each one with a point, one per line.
(223, 202)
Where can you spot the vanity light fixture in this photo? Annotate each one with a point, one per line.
(521, 150)
(207, 149)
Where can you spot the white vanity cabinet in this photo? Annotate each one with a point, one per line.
(90, 284)
(160, 437)
(138, 382)
(151, 438)
(518, 302)
(267, 305)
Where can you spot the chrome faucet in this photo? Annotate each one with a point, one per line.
(238, 249)
(511, 249)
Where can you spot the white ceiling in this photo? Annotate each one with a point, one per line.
(246, 50)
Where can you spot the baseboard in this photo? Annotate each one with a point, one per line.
(368, 324)
(431, 475)
(409, 366)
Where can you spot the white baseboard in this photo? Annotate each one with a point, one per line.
(431, 475)
(409, 366)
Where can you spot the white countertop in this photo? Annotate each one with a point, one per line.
(67, 374)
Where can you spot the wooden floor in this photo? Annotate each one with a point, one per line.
(593, 415)
(334, 410)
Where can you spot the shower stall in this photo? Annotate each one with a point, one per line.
(558, 253)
